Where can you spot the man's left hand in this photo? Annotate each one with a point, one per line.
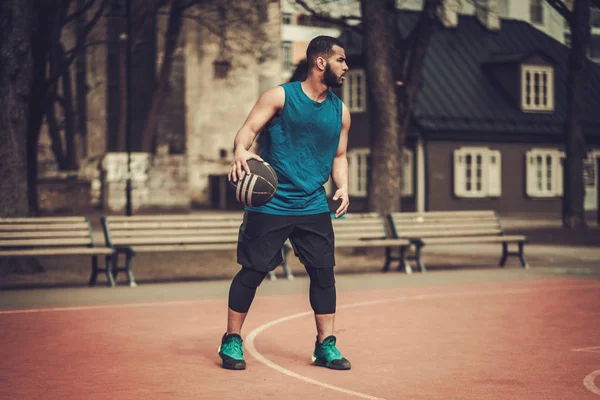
(341, 194)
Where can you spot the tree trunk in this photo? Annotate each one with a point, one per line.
(81, 82)
(68, 107)
(16, 17)
(54, 131)
(574, 189)
(384, 172)
(161, 88)
(414, 60)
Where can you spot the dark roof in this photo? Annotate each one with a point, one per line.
(458, 94)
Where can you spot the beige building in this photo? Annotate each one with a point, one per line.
(220, 67)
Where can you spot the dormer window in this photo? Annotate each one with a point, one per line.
(537, 88)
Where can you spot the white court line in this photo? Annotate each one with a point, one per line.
(251, 347)
(588, 382)
(595, 349)
(105, 306)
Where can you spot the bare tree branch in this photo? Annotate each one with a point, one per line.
(79, 45)
(562, 9)
(340, 21)
(78, 13)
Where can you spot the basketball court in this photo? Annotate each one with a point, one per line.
(483, 334)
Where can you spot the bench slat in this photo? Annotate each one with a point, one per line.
(478, 239)
(43, 227)
(459, 214)
(170, 218)
(430, 226)
(37, 220)
(43, 234)
(174, 225)
(372, 243)
(173, 240)
(45, 242)
(174, 232)
(185, 247)
(470, 232)
(57, 251)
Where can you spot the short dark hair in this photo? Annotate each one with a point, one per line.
(321, 46)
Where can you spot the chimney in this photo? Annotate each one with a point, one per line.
(487, 14)
(448, 13)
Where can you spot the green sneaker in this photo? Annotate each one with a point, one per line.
(232, 352)
(327, 355)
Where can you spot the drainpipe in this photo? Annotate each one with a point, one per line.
(420, 175)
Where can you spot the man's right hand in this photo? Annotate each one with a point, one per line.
(240, 161)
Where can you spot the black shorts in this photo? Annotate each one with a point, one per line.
(262, 236)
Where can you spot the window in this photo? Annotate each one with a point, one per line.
(595, 17)
(286, 50)
(286, 18)
(406, 185)
(595, 47)
(544, 172)
(358, 172)
(503, 8)
(354, 91)
(358, 164)
(536, 11)
(537, 88)
(477, 172)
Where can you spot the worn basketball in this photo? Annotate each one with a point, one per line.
(258, 187)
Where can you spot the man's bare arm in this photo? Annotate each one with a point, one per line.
(267, 106)
(339, 171)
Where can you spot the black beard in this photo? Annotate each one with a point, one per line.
(330, 78)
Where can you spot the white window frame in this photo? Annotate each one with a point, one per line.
(354, 90)
(536, 4)
(477, 172)
(544, 182)
(407, 184)
(287, 54)
(358, 172)
(528, 86)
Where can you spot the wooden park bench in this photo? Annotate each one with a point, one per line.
(219, 231)
(368, 230)
(460, 228)
(129, 235)
(53, 236)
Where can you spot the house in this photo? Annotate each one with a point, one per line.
(487, 131)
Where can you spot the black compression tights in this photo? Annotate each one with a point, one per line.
(322, 289)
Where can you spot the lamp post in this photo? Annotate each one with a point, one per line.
(128, 207)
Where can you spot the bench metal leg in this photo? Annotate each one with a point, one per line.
(522, 255)
(504, 254)
(403, 264)
(388, 259)
(285, 250)
(94, 275)
(130, 277)
(109, 270)
(420, 264)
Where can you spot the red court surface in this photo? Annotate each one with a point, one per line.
(512, 339)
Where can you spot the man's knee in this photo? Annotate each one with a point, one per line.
(324, 278)
(251, 278)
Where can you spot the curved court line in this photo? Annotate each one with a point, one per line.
(250, 339)
(588, 382)
(105, 306)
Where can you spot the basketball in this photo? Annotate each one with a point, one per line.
(258, 187)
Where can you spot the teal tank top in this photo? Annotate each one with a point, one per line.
(300, 146)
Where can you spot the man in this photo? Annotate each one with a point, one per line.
(305, 142)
